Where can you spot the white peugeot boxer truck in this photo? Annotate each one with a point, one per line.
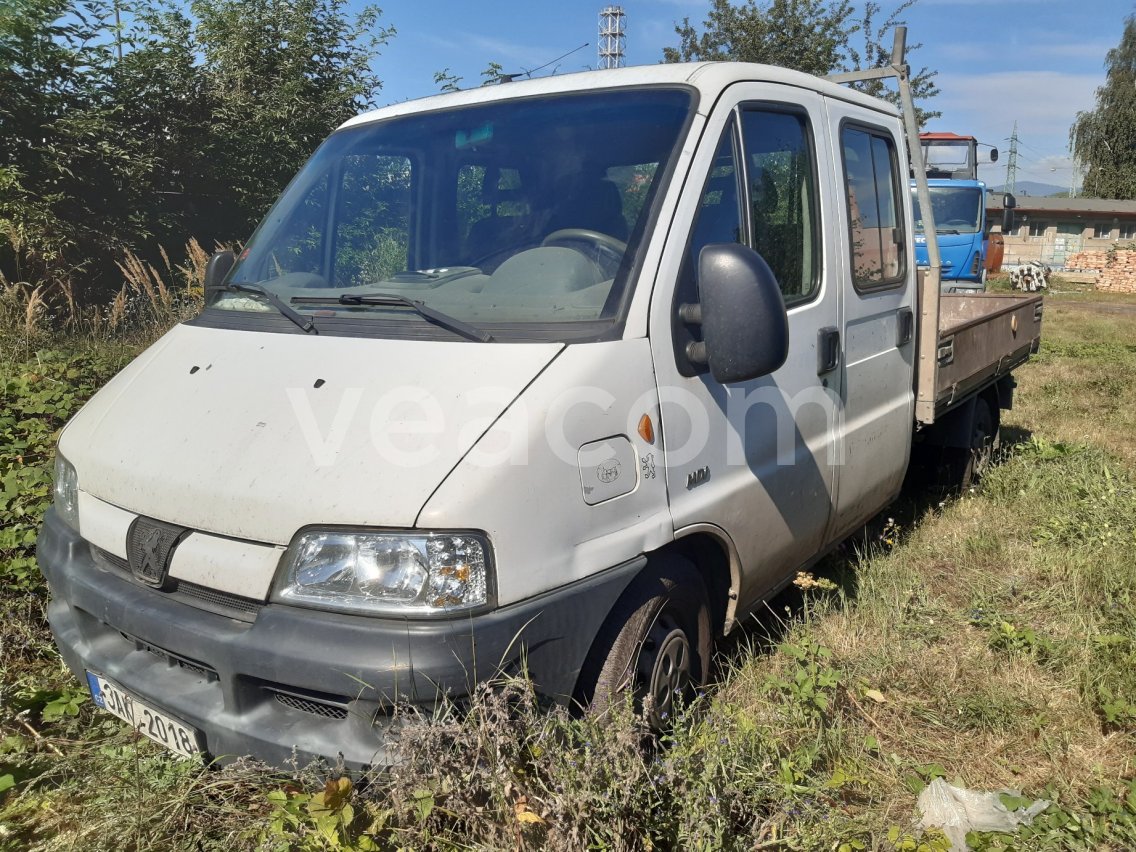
(567, 375)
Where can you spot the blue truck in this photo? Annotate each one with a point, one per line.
(958, 200)
(960, 227)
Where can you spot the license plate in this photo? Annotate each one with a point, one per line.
(158, 726)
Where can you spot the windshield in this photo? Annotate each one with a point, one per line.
(957, 209)
(946, 154)
(518, 213)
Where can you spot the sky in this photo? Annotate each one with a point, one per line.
(1034, 62)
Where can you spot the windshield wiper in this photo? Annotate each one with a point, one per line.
(305, 323)
(425, 311)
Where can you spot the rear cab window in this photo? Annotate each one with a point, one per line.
(872, 186)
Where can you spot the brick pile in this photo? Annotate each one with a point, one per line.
(1117, 268)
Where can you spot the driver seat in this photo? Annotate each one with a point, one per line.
(591, 206)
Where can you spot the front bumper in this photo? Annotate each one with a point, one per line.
(298, 684)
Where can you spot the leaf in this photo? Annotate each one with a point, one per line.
(525, 814)
(6, 782)
(875, 695)
(336, 793)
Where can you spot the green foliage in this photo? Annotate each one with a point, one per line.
(1105, 819)
(930, 841)
(36, 399)
(810, 686)
(322, 822)
(1099, 511)
(1104, 138)
(193, 132)
(815, 36)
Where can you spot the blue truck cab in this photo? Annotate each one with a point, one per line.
(960, 223)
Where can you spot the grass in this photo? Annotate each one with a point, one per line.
(989, 639)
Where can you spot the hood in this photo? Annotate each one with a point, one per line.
(956, 251)
(255, 435)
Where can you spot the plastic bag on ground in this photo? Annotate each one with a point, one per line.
(957, 810)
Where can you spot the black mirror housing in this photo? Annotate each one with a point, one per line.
(218, 267)
(1008, 205)
(744, 324)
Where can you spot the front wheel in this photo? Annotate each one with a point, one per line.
(657, 643)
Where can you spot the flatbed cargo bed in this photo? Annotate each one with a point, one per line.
(982, 337)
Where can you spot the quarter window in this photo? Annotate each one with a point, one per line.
(782, 198)
(877, 236)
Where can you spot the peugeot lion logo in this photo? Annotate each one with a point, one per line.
(150, 544)
(152, 564)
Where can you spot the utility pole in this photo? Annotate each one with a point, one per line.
(1012, 162)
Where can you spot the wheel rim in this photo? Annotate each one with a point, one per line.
(664, 665)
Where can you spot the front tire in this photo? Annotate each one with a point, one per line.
(657, 642)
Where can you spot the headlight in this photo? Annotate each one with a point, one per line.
(66, 491)
(395, 573)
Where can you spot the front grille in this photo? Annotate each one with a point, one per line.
(331, 707)
(172, 659)
(217, 598)
(109, 560)
(201, 597)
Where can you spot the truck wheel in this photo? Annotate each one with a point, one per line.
(656, 642)
(971, 463)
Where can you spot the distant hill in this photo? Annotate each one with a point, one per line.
(1033, 187)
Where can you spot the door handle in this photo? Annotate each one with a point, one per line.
(905, 326)
(828, 350)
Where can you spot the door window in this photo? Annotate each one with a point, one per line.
(877, 237)
(718, 220)
(781, 173)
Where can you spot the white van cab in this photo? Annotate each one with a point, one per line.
(564, 376)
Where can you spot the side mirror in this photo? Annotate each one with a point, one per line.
(744, 325)
(217, 268)
(993, 154)
(1008, 205)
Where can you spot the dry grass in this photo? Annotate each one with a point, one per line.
(990, 639)
(150, 300)
(1082, 388)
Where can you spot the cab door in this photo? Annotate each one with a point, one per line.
(878, 281)
(755, 458)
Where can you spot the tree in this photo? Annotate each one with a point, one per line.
(815, 36)
(66, 173)
(1104, 139)
(280, 75)
(193, 131)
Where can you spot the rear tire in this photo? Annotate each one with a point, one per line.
(657, 642)
(967, 465)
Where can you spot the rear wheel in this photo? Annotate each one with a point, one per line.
(968, 465)
(657, 643)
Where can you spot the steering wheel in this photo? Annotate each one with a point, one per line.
(955, 223)
(575, 235)
(487, 263)
(608, 251)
